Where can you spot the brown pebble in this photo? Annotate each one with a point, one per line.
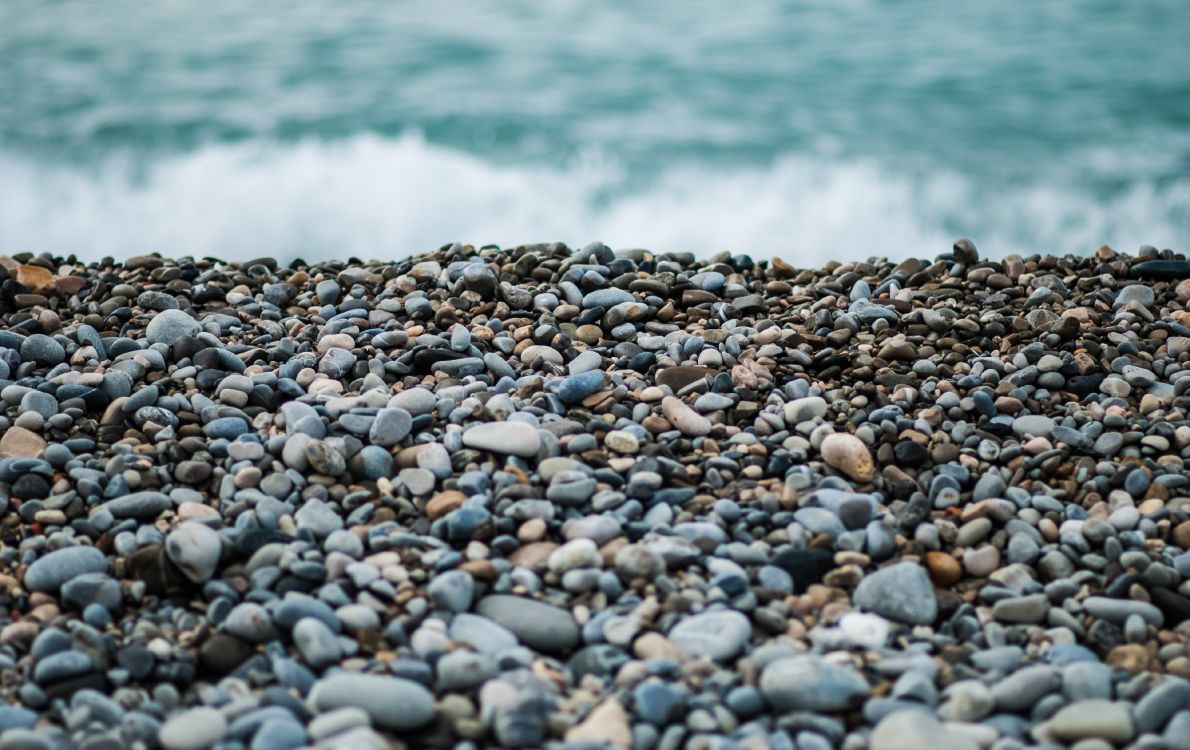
(944, 570)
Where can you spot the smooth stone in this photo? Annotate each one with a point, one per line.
(391, 702)
(683, 418)
(1024, 687)
(848, 454)
(577, 387)
(900, 592)
(315, 642)
(1098, 718)
(390, 427)
(680, 376)
(168, 326)
(1033, 425)
(910, 729)
(718, 634)
(195, 729)
(810, 683)
(538, 625)
(607, 725)
(1117, 611)
(195, 548)
(20, 442)
(42, 350)
(452, 591)
(93, 588)
(416, 401)
(49, 572)
(512, 438)
(139, 505)
(805, 409)
(484, 635)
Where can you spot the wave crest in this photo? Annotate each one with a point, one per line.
(372, 197)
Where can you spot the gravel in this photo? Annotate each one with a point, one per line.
(535, 497)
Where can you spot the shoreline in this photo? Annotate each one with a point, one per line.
(526, 496)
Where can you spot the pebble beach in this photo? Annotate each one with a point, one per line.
(543, 497)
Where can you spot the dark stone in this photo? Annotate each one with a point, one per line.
(222, 653)
(1173, 605)
(909, 453)
(681, 376)
(807, 566)
(1167, 270)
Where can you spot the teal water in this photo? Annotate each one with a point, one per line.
(810, 129)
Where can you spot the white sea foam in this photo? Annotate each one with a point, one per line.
(372, 197)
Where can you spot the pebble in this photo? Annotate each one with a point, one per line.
(849, 455)
(1100, 719)
(536, 624)
(719, 635)
(391, 702)
(900, 592)
(53, 569)
(684, 419)
(195, 548)
(512, 438)
(810, 683)
(911, 729)
(517, 497)
(195, 729)
(168, 326)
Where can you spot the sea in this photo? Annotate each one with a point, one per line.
(806, 129)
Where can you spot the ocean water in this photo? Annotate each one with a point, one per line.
(809, 129)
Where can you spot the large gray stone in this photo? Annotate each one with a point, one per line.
(168, 326)
(810, 683)
(53, 569)
(719, 635)
(391, 702)
(900, 592)
(536, 624)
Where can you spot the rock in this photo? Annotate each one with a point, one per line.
(315, 642)
(680, 376)
(911, 729)
(452, 591)
(194, 729)
(1116, 611)
(42, 350)
(848, 454)
(17, 441)
(139, 505)
(53, 569)
(512, 438)
(810, 683)
(93, 588)
(36, 279)
(195, 549)
(484, 635)
(900, 592)
(1139, 294)
(390, 427)
(536, 624)
(606, 724)
(390, 702)
(805, 409)
(168, 326)
(1022, 689)
(719, 634)
(683, 418)
(575, 388)
(1101, 719)
(1032, 425)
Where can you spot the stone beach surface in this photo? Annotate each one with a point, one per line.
(542, 497)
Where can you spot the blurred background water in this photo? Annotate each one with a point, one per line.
(809, 129)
